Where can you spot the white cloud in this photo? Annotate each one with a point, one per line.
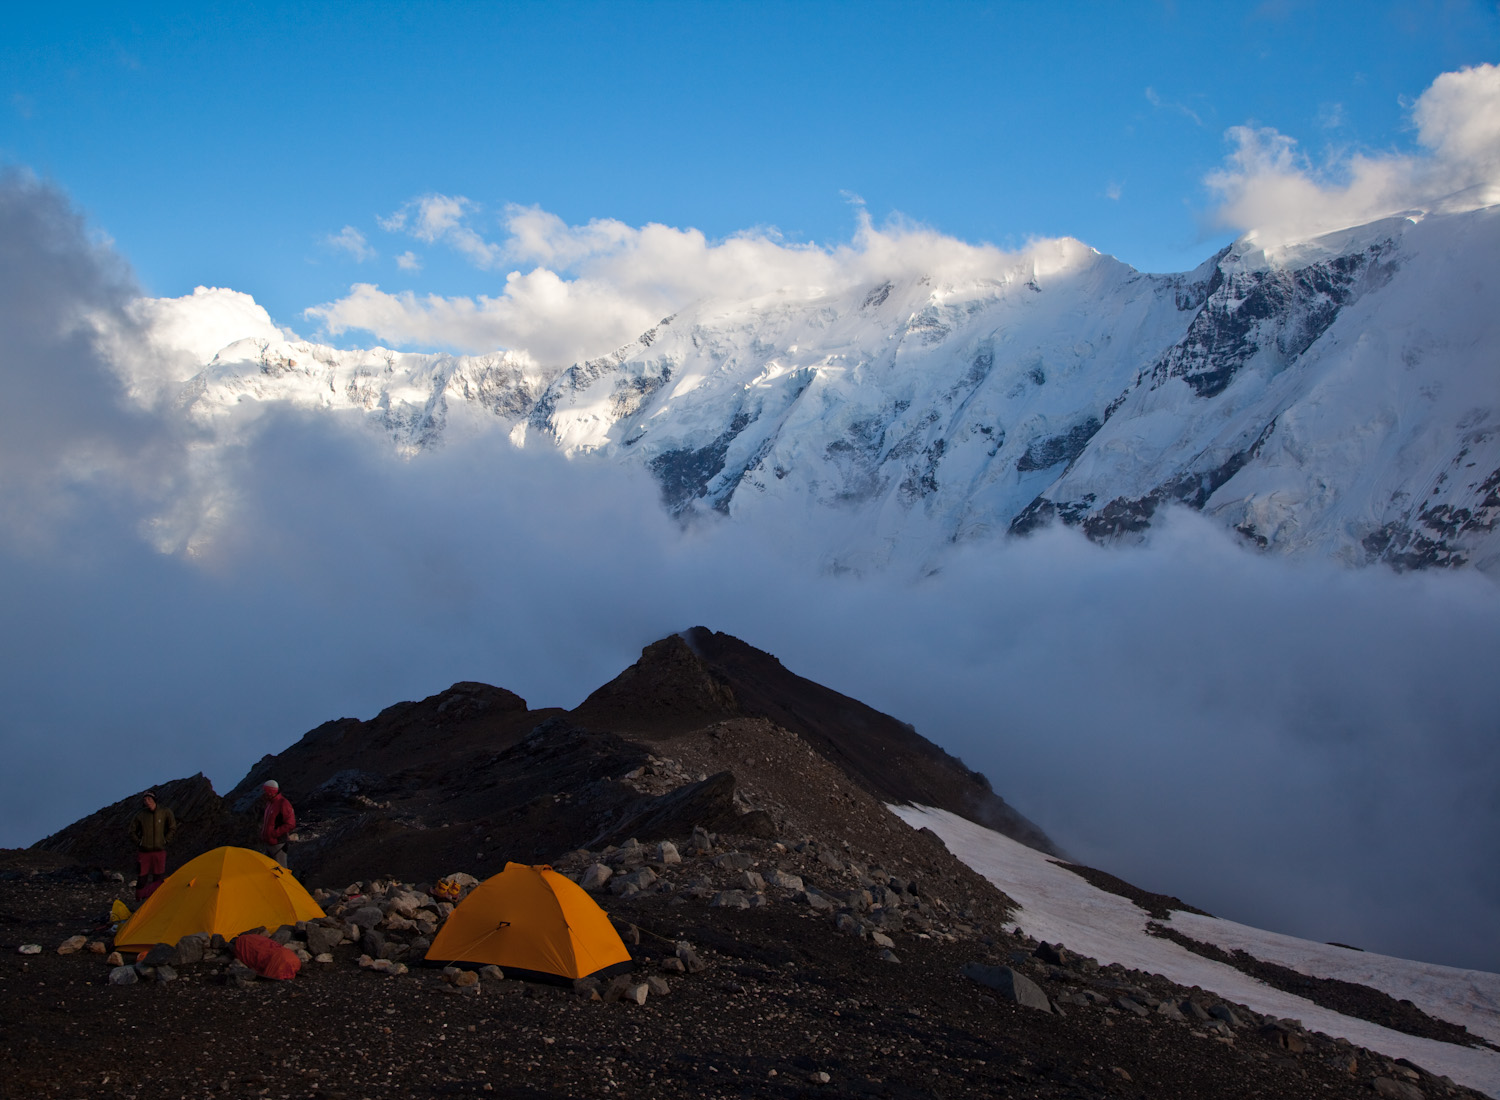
(409, 261)
(597, 286)
(1269, 187)
(351, 241)
(70, 434)
(1113, 191)
(441, 218)
(201, 323)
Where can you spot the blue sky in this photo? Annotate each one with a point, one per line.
(225, 144)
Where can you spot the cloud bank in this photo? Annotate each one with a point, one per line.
(1288, 744)
(1270, 188)
(588, 289)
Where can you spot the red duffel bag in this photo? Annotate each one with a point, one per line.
(267, 957)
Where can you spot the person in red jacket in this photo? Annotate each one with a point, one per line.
(277, 822)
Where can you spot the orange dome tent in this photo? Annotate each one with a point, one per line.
(228, 891)
(530, 918)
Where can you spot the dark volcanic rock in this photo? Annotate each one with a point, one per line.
(709, 804)
(102, 839)
(687, 681)
(471, 778)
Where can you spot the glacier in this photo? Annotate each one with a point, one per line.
(1337, 397)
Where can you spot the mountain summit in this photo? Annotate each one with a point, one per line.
(1334, 397)
(474, 768)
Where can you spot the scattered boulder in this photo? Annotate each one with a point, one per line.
(1391, 1089)
(405, 903)
(690, 959)
(880, 939)
(161, 954)
(1194, 1011)
(1010, 984)
(1053, 956)
(72, 945)
(1284, 1038)
(191, 948)
(730, 899)
(815, 899)
(595, 877)
(734, 861)
(889, 956)
(492, 973)
(659, 986)
(367, 916)
(641, 879)
(783, 881)
(1221, 1011)
(115, 959)
(30, 949)
(322, 939)
(1129, 1005)
(123, 975)
(666, 853)
(616, 988)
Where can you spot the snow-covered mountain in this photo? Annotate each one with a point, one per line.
(1337, 397)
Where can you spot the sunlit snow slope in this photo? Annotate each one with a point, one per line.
(1338, 397)
(1060, 907)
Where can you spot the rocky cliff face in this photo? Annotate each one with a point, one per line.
(1337, 397)
(704, 730)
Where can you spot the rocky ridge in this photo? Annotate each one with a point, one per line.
(790, 934)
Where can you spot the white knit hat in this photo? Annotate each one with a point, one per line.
(275, 786)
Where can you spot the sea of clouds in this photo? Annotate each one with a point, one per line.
(1296, 745)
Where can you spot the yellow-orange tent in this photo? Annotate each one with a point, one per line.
(228, 891)
(530, 918)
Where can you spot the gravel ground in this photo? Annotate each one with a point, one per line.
(784, 999)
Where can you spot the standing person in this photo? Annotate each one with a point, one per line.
(151, 829)
(278, 821)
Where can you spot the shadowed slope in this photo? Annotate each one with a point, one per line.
(691, 680)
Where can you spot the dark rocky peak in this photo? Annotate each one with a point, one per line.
(691, 680)
(703, 730)
(104, 836)
(669, 690)
(452, 724)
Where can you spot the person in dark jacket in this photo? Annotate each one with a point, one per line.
(277, 822)
(151, 829)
